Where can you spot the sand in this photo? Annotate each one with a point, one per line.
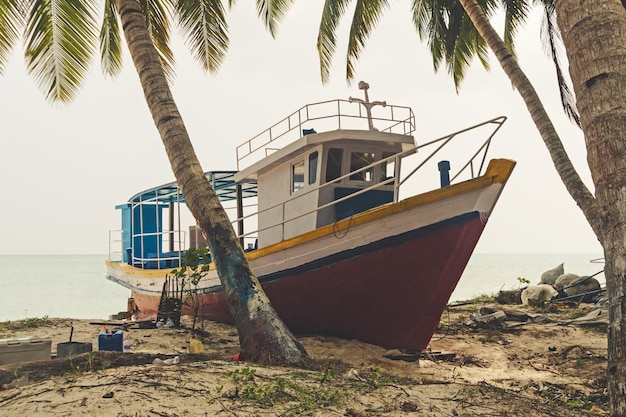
(499, 368)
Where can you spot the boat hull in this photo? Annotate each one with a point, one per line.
(382, 277)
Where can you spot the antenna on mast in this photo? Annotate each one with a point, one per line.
(367, 104)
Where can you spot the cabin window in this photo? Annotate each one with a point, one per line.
(333, 164)
(313, 168)
(359, 160)
(387, 169)
(297, 176)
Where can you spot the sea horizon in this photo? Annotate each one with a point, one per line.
(75, 286)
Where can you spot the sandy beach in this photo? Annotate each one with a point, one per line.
(539, 367)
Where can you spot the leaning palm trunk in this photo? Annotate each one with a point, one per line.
(594, 34)
(262, 334)
(572, 181)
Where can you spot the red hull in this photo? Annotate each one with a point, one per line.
(389, 293)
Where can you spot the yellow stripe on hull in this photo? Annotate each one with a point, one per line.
(498, 172)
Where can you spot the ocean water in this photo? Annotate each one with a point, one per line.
(490, 273)
(69, 286)
(74, 286)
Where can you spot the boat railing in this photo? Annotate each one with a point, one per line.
(474, 166)
(115, 245)
(471, 168)
(167, 252)
(325, 116)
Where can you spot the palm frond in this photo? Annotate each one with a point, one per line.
(463, 42)
(515, 14)
(551, 38)
(366, 16)
(60, 41)
(450, 34)
(157, 23)
(12, 19)
(204, 26)
(110, 41)
(271, 11)
(327, 36)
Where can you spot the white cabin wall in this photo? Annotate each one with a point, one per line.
(271, 191)
(276, 197)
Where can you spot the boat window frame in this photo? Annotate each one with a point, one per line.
(297, 186)
(386, 166)
(327, 153)
(376, 151)
(312, 169)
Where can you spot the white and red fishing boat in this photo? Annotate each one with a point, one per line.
(352, 228)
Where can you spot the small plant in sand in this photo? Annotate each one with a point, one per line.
(483, 298)
(194, 266)
(294, 393)
(33, 322)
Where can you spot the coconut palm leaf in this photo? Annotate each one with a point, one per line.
(110, 41)
(203, 23)
(450, 35)
(366, 15)
(551, 37)
(11, 22)
(326, 39)
(271, 11)
(515, 15)
(60, 41)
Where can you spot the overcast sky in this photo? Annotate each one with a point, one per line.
(64, 168)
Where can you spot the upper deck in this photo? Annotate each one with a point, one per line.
(294, 132)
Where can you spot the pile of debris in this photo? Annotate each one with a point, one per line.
(497, 316)
(555, 286)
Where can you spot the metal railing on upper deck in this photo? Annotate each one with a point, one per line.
(322, 117)
(472, 166)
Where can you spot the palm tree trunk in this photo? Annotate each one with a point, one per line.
(262, 334)
(594, 34)
(572, 181)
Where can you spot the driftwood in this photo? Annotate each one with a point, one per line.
(509, 297)
(93, 361)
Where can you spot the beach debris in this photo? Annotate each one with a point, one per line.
(16, 383)
(409, 407)
(171, 303)
(398, 355)
(472, 360)
(550, 276)
(572, 284)
(109, 394)
(354, 374)
(514, 314)
(351, 412)
(435, 356)
(241, 357)
(195, 346)
(510, 296)
(496, 316)
(537, 295)
(167, 324)
(593, 318)
(172, 361)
